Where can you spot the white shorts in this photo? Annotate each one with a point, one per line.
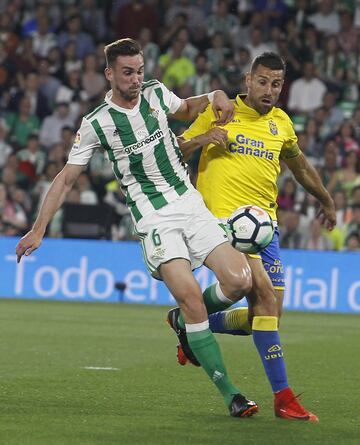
(185, 228)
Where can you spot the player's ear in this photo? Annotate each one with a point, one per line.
(108, 74)
(247, 80)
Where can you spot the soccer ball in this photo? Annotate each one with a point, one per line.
(250, 229)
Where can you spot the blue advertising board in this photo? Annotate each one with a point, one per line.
(89, 270)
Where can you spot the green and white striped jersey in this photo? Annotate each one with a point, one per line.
(145, 155)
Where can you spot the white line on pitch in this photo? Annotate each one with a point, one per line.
(99, 368)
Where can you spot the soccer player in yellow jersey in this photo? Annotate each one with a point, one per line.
(239, 165)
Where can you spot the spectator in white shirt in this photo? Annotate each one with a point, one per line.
(43, 38)
(326, 19)
(50, 132)
(306, 94)
(256, 45)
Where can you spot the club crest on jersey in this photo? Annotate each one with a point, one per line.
(273, 127)
(159, 252)
(154, 113)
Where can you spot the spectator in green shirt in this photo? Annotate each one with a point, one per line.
(21, 124)
(176, 67)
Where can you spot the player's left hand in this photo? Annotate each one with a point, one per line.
(223, 108)
(327, 216)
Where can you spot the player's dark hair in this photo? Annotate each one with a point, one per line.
(270, 60)
(122, 47)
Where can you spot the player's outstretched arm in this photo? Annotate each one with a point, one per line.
(52, 202)
(223, 107)
(216, 136)
(308, 177)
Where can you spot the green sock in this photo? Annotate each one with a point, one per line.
(212, 301)
(207, 351)
(215, 302)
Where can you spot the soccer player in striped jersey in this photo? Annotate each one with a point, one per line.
(239, 165)
(177, 232)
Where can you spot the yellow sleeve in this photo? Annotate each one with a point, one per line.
(291, 138)
(290, 148)
(201, 125)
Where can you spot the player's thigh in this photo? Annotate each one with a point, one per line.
(178, 277)
(202, 232)
(230, 267)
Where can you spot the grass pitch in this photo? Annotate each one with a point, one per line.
(48, 396)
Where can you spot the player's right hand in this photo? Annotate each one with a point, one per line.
(28, 243)
(216, 136)
(327, 216)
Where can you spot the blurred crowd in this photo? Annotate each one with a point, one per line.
(51, 74)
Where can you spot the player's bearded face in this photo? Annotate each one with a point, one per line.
(264, 88)
(126, 76)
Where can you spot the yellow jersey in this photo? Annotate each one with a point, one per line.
(246, 171)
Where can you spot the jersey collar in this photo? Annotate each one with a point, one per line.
(131, 111)
(241, 106)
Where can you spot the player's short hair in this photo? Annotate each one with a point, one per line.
(269, 60)
(122, 47)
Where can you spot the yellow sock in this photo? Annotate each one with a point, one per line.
(237, 319)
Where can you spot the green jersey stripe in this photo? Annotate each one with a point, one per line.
(160, 95)
(127, 137)
(149, 83)
(151, 122)
(133, 207)
(161, 156)
(107, 147)
(177, 149)
(92, 114)
(166, 169)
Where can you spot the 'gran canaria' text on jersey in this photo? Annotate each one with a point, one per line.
(249, 146)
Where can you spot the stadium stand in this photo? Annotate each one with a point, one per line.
(51, 69)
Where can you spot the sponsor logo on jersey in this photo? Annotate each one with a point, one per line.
(273, 127)
(276, 268)
(248, 146)
(236, 121)
(149, 140)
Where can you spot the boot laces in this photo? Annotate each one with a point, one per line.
(295, 405)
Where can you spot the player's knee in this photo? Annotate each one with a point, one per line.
(189, 299)
(239, 282)
(185, 294)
